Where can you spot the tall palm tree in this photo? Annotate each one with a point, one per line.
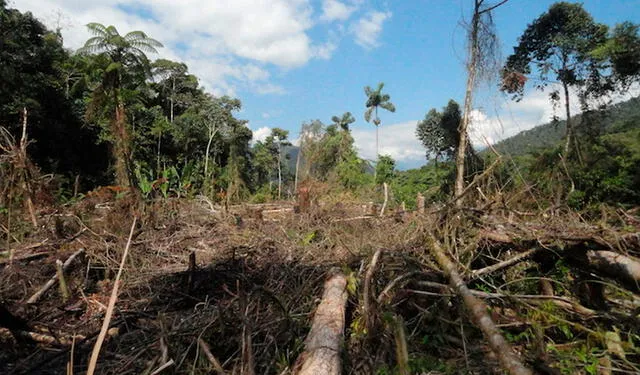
(124, 53)
(375, 99)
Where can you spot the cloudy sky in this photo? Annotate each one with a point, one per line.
(291, 61)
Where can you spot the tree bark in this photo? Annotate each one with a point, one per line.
(468, 102)
(323, 346)
(506, 356)
(212, 133)
(295, 184)
(279, 171)
(619, 266)
(569, 132)
(386, 198)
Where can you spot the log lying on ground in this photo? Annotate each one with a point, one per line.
(323, 346)
(622, 267)
(507, 357)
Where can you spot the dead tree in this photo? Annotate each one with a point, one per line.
(482, 44)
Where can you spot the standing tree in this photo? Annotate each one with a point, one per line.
(279, 137)
(344, 121)
(174, 81)
(438, 132)
(621, 54)
(375, 99)
(124, 53)
(559, 45)
(482, 43)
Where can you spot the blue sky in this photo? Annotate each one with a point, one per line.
(291, 61)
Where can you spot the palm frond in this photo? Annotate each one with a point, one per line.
(135, 35)
(368, 91)
(388, 106)
(98, 29)
(367, 114)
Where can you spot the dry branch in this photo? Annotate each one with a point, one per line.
(507, 357)
(112, 303)
(36, 297)
(40, 337)
(504, 264)
(621, 267)
(212, 359)
(325, 340)
(562, 302)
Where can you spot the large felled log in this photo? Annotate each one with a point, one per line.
(507, 357)
(325, 340)
(623, 267)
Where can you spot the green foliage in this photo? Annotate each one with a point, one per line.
(559, 45)
(385, 169)
(426, 180)
(438, 132)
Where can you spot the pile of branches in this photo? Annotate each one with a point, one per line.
(280, 292)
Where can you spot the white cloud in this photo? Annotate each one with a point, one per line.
(229, 44)
(397, 140)
(261, 134)
(534, 109)
(367, 29)
(333, 10)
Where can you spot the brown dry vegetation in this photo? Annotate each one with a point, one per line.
(249, 301)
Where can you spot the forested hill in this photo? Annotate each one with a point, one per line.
(617, 118)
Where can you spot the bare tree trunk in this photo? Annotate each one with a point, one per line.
(173, 92)
(478, 310)
(295, 184)
(279, 171)
(212, 133)
(475, 57)
(158, 155)
(386, 198)
(420, 203)
(468, 102)
(323, 346)
(569, 132)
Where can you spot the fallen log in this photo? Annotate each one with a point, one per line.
(36, 297)
(620, 266)
(503, 351)
(322, 353)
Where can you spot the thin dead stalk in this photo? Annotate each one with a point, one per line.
(212, 359)
(112, 303)
(36, 297)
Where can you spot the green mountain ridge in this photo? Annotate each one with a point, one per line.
(616, 118)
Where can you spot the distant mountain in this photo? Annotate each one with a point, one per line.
(616, 118)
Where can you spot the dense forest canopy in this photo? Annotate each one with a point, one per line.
(158, 125)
